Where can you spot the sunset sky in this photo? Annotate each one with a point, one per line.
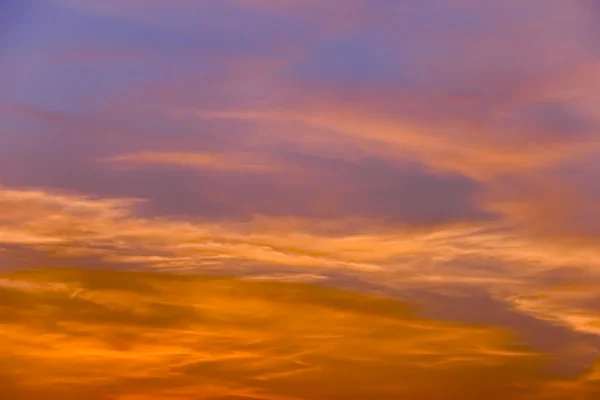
(299, 199)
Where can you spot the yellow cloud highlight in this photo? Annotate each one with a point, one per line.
(155, 336)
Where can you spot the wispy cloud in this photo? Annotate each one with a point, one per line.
(108, 229)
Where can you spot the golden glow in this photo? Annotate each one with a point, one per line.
(101, 334)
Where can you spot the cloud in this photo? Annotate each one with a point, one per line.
(208, 175)
(304, 185)
(520, 137)
(74, 224)
(161, 336)
(335, 142)
(233, 163)
(455, 96)
(75, 227)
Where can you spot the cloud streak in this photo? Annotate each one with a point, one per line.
(234, 163)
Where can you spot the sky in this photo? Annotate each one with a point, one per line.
(299, 199)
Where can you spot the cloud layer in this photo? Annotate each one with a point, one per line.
(139, 335)
(443, 153)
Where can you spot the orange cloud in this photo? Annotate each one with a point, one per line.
(154, 336)
(69, 226)
(484, 94)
